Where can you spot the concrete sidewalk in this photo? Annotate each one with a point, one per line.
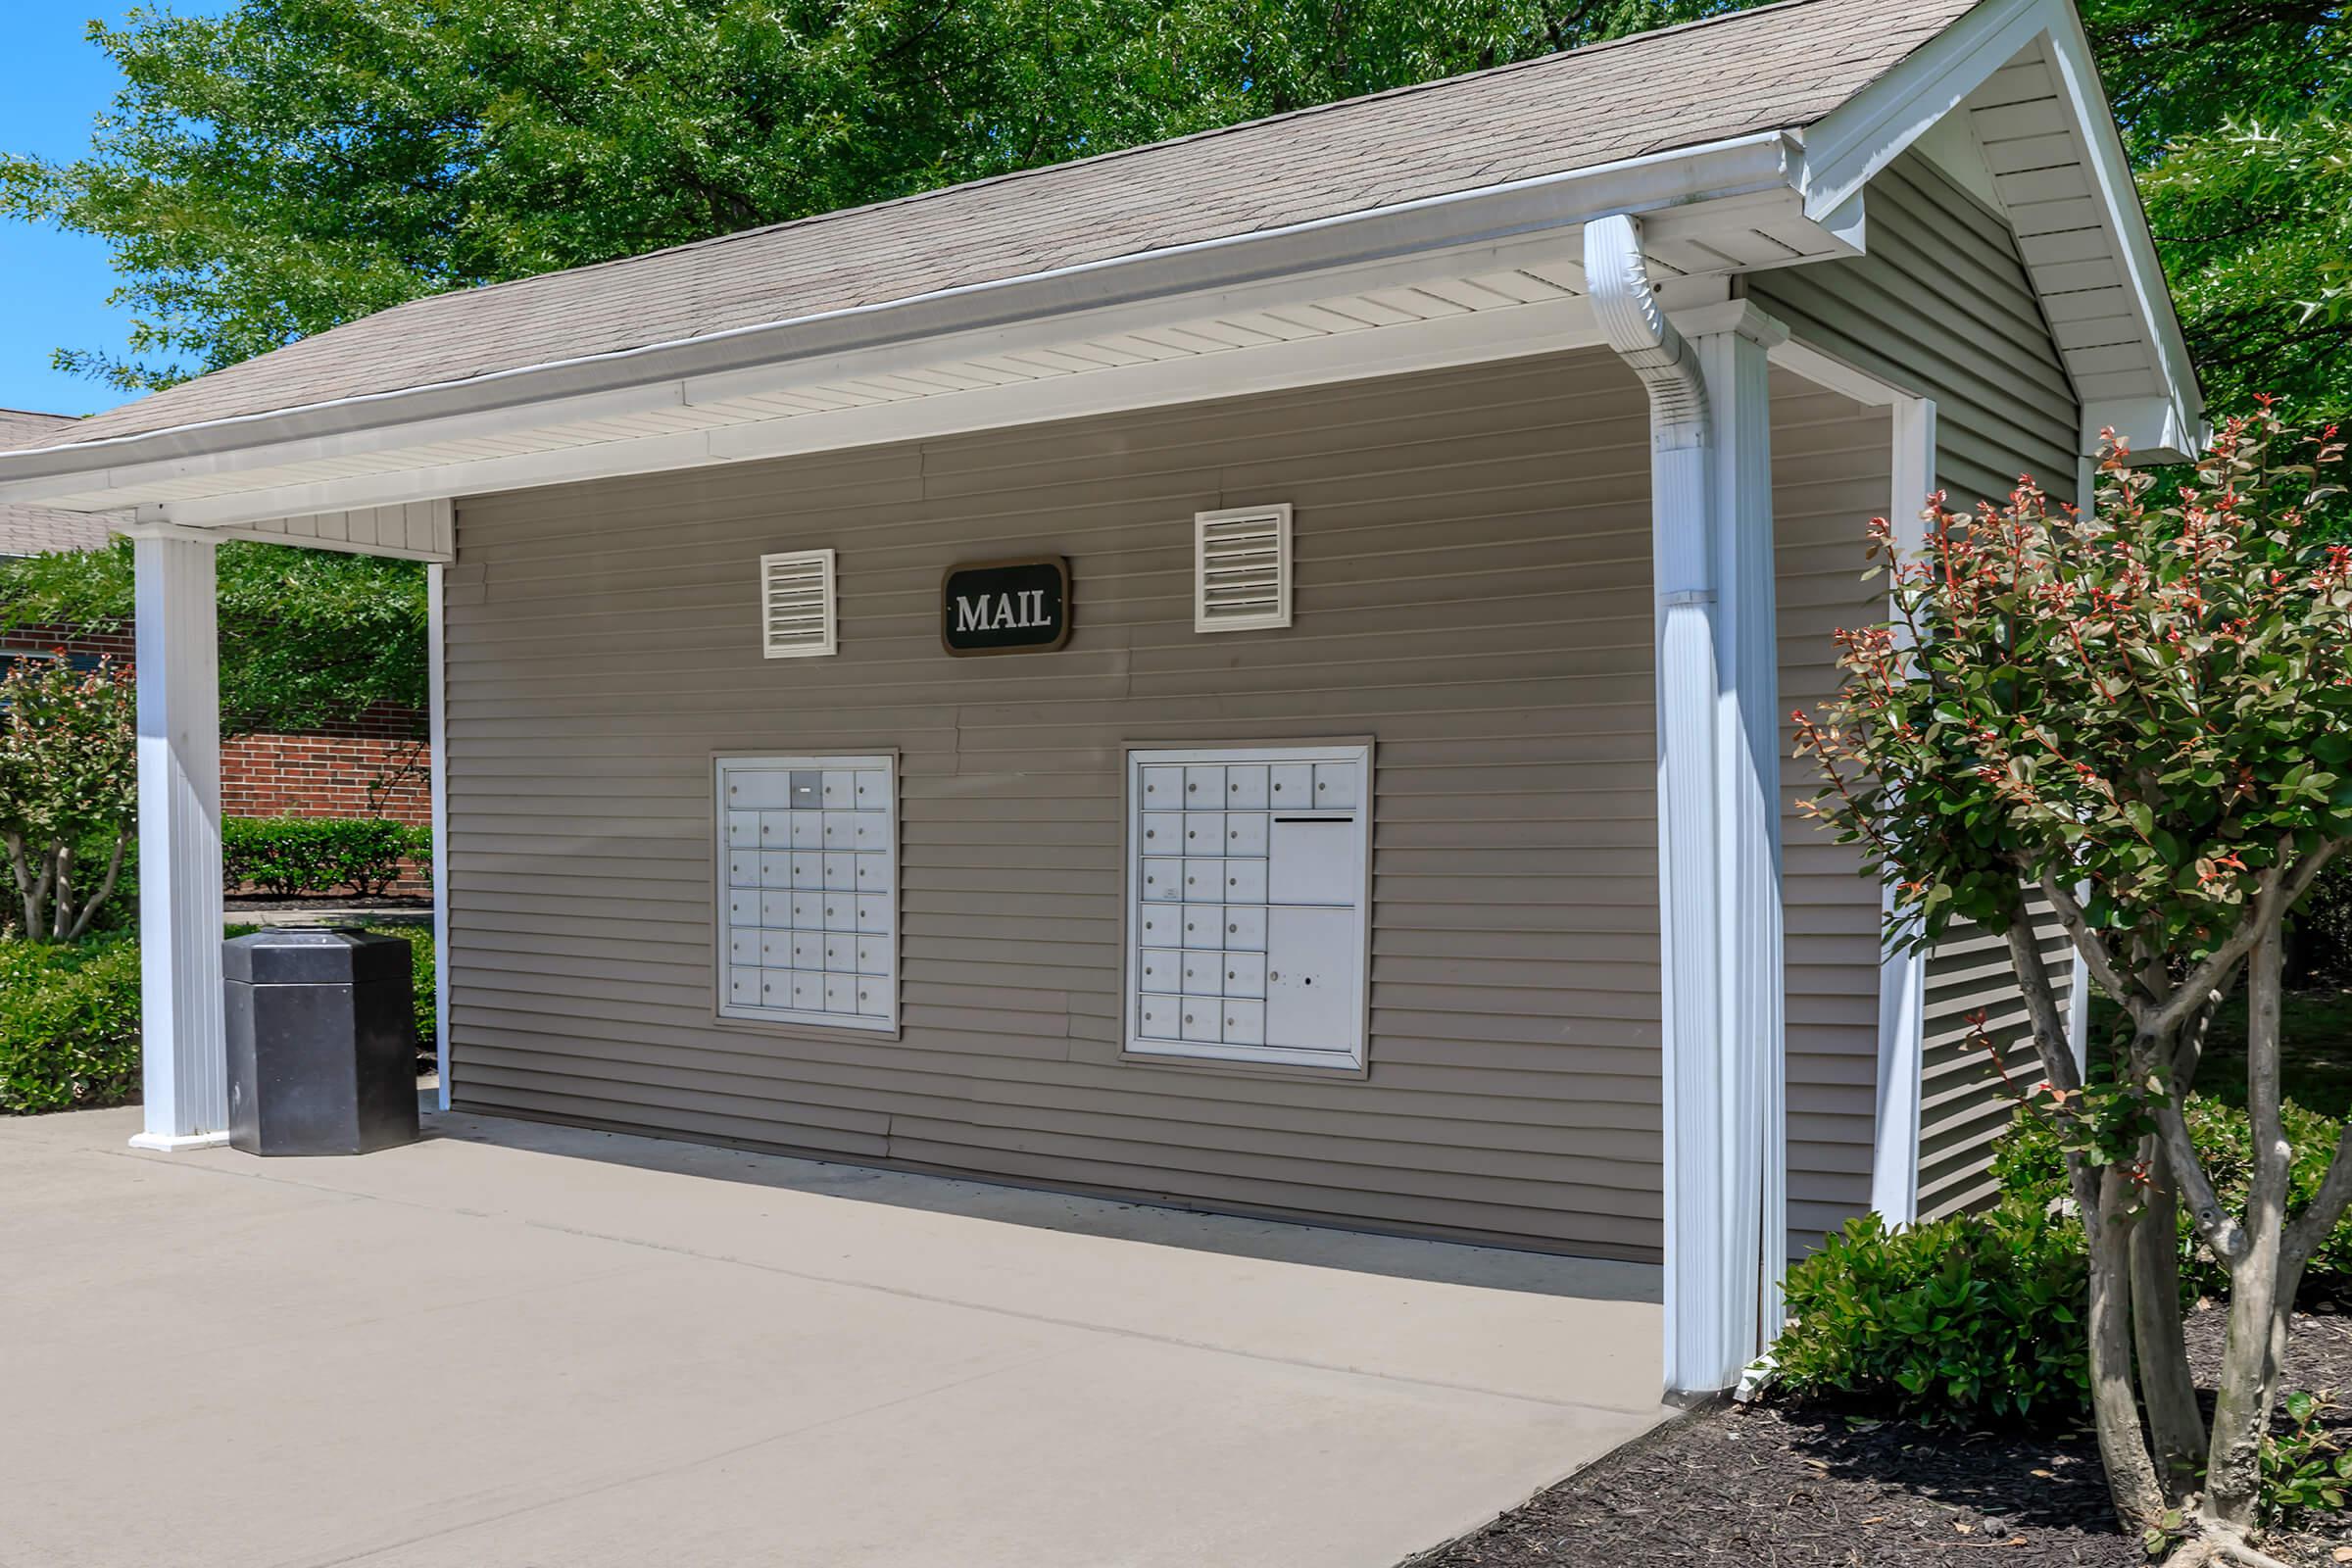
(513, 1345)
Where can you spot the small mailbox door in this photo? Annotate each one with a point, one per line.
(1313, 860)
(1310, 979)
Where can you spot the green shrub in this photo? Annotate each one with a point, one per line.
(69, 1024)
(2030, 1168)
(420, 949)
(1971, 1320)
(291, 856)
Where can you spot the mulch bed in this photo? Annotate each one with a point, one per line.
(1784, 1487)
(281, 901)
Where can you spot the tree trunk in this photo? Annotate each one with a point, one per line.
(2249, 1375)
(2130, 1475)
(2176, 1426)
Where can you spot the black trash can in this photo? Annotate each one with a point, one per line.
(321, 1041)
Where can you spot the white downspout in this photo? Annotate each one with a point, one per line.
(1724, 973)
(1696, 1290)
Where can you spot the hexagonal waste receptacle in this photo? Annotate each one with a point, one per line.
(321, 1041)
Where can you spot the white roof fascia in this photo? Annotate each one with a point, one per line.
(655, 376)
(1860, 137)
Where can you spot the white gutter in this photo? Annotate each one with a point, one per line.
(1658, 183)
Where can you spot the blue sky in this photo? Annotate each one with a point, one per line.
(53, 287)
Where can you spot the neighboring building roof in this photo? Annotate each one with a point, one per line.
(1776, 68)
(37, 530)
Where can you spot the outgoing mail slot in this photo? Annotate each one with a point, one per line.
(1311, 959)
(1313, 860)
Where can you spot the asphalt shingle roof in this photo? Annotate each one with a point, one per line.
(1780, 67)
(37, 530)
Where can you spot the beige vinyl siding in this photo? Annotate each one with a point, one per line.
(1472, 590)
(1963, 1105)
(1941, 306)
(1832, 470)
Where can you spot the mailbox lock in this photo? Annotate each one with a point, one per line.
(1274, 974)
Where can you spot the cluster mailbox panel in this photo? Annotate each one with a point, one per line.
(1247, 903)
(808, 901)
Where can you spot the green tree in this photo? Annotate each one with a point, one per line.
(2145, 716)
(295, 164)
(306, 636)
(2238, 116)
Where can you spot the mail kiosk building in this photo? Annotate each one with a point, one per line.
(1248, 672)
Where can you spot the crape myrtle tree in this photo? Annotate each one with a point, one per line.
(69, 787)
(2141, 715)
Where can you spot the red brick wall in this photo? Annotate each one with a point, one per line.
(335, 774)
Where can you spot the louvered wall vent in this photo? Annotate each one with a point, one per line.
(1242, 568)
(796, 604)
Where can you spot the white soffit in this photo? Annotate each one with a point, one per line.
(2016, 79)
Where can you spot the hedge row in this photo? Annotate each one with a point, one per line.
(70, 1018)
(295, 854)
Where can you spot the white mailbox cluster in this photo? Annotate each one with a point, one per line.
(1247, 907)
(809, 899)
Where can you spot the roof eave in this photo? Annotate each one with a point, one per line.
(1853, 142)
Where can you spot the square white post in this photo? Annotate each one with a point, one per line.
(182, 1046)
(1732, 341)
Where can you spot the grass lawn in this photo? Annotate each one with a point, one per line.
(2316, 1048)
(2315, 1030)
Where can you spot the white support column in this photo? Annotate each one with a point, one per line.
(437, 737)
(1718, 808)
(1902, 972)
(183, 1044)
(1732, 340)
